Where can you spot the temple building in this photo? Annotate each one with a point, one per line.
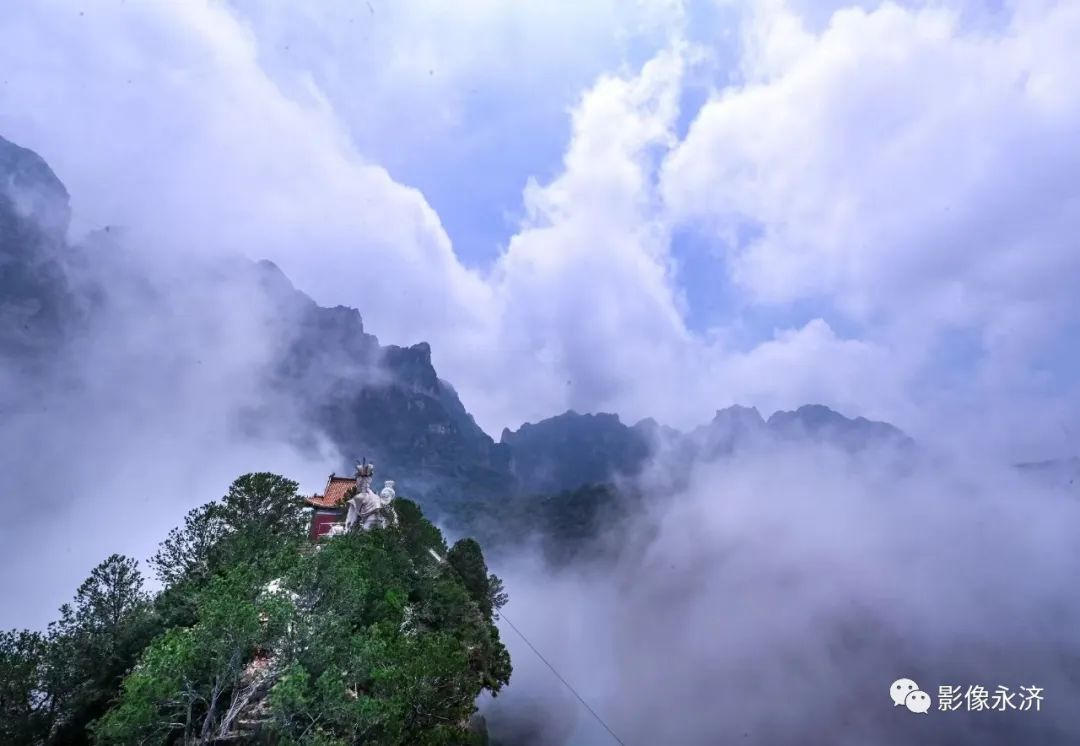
(348, 504)
(330, 507)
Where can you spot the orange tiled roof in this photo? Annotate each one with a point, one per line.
(334, 493)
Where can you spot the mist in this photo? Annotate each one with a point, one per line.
(151, 403)
(777, 597)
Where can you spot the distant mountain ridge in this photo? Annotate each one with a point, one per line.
(34, 214)
(572, 450)
(383, 402)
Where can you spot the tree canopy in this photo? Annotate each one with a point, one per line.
(256, 637)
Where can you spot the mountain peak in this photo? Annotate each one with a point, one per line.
(571, 414)
(412, 365)
(739, 413)
(571, 449)
(36, 303)
(730, 428)
(570, 418)
(811, 414)
(272, 273)
(31, 190)
(819, 421)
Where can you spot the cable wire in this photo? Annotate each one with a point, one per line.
(540, 655)
(560, 678)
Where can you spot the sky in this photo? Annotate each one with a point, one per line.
(633, 207)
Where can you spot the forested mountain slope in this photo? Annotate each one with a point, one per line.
(256, 638)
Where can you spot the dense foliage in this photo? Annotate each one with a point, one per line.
(256, 638)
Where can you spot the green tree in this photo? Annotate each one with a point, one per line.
(193, 682)
(396, 649)
(106, 601)
(185, 553)
(95, 642)
(157, 698)
(264, 502)
(417, 534)
(257, 510)
(467, 559)
(370, 639)
(26, 698)
(259, 521)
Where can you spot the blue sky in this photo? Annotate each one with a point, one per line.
(677, 205)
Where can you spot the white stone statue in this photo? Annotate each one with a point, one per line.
(387, 493)
(362, 507)
(365, 472)
(365, 507)
(386, 498)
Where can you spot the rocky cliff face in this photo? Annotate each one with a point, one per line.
(412, 425)
(730, 428)
(570, 450)
(34, 214)
(821, 423)
(386, 403)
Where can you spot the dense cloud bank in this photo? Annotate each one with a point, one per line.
(777, 598)
(133, 388)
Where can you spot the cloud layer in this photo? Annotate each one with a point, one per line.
(777, 598)
(155, 405)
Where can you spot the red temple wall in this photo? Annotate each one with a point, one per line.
(321, 522)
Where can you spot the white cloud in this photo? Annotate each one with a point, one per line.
(586, 309)
(775, 598)
(871, 156)
(174, 108)
(904, 169)
(911, 171)
(168, 106)
(894, 162)
(814, 364)
(407, 74)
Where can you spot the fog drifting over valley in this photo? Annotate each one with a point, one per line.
(160, 401)
(782, 594)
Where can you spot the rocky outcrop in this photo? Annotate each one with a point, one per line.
(383, 402)
(35, 300)
(818, 422)
(570, 450)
